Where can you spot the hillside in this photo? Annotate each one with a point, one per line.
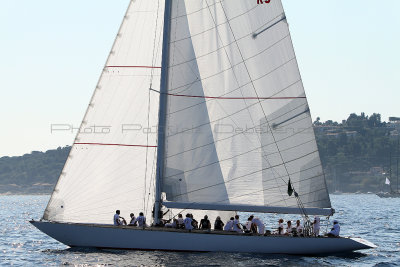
(357, 155)
(36, 172)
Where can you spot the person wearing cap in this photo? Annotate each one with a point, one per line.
(335, 230)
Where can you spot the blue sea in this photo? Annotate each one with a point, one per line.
(363, 215)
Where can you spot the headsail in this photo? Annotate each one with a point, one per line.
(111, 164)
(238, 122)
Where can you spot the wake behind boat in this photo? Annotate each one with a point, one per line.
(200, 108)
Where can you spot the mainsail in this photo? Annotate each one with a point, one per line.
(112, 161)
(238, 123)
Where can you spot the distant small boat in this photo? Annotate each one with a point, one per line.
(200, 108)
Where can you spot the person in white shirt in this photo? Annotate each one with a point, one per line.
(141, 220)
(316, 225)
(180, 221)
(249, 225)
(236, 225)
(188, 222)
(133, 220)
(173, 224)
(118, 220)
(335, 231)
(229, 225)
(299, 228)
(260, 225)
(281, 229)
(289, 228)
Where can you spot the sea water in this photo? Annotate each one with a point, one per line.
(364, 215)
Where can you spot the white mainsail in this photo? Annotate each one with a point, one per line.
(112, 161)
(238, 122)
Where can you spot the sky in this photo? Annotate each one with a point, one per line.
(53, 52)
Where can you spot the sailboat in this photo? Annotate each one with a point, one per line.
(200, 108)
(393, 193)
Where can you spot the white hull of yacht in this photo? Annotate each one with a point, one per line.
(107, 236)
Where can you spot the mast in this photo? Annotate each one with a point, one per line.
(390, 169)
(397, 165)
(162, 111)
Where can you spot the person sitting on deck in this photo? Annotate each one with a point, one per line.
(281, 229)
(195, 223)
(205, 223)
(259, 224)
(141, 220)
(236, 225)
(229, 225)
(316, 225)
(118, 220)
(188, 222)
(289, 228)
(173, 224)
(133, 221)
(335, 230)
(299, 228)
(218, 224)
(250, 226)
(181, 224)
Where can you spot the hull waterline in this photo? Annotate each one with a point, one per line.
(107, 236)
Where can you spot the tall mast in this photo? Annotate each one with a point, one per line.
(397, 164)
(390, 169)
(162, 110)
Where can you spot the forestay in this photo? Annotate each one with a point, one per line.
(112, 161)
(238, 122)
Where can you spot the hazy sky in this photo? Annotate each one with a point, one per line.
(53, 52)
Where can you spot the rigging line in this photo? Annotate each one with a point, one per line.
(103, 144)
(240, 98)
(238, 88)
(298, 70)
(266, 190)
(237, 64)
(148, 108)
(239, 155)
(254, 88)
(263, 169)
(236, 112)
(193, 12)
(227, 45)
(232, 136)
(207, 30)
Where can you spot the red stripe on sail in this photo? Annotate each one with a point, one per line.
(102, 144)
